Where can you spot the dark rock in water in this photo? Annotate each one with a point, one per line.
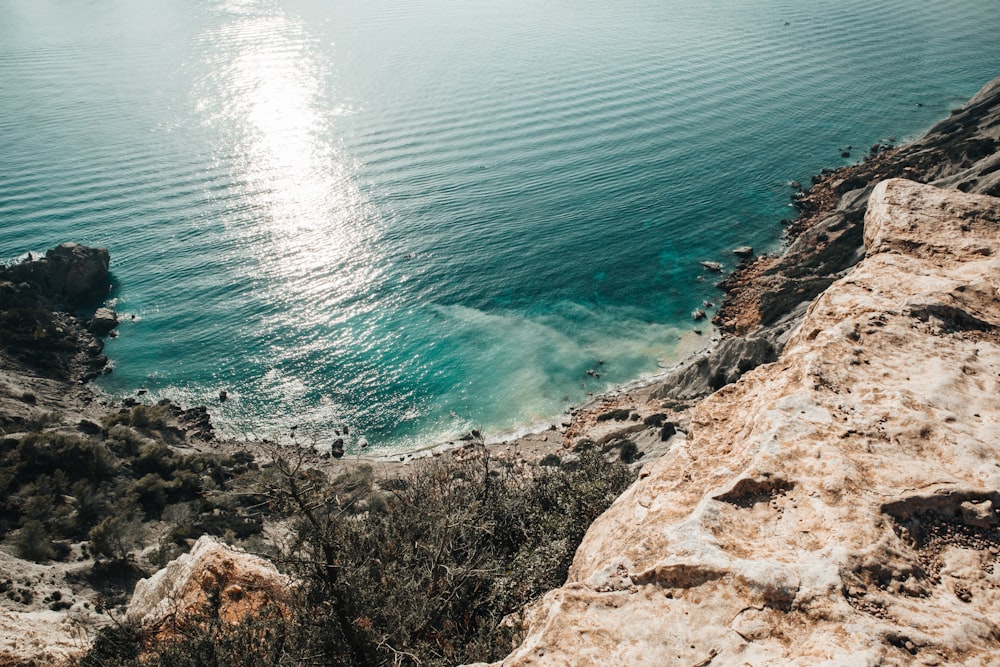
(79, 272)
(103, 321)
(223, 395)
(667, 431)
(698, 314)
(69, 272)
(743, 251)
(35, 326)
(845, 153)
(337, 448)
(796, 185)
(196, 421)
(472, 435)
(712, 266)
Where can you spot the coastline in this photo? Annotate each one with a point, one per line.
(767, 296)
(764, 299)
(44, 385)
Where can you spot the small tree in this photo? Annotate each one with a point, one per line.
(117, 535)
(33, 542)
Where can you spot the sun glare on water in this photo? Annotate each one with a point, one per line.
(302, 225)
(270, 89)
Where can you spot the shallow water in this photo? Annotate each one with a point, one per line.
(421, 217)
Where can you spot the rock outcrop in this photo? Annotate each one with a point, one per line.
(837, 506)
(69, 272)
(37, 329)
(960, 152)
(103, 321)
(212, 581)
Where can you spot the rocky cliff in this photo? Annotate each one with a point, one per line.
(835, 507)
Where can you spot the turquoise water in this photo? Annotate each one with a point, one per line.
(424, 216)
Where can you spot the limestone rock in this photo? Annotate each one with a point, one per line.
(212, 579)
(834, 507)
(32, 631)
(716, 367)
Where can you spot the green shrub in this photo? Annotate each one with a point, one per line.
(34, 543)
(117, 535)
(148, 416)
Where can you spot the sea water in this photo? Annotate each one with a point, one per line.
(419, 217)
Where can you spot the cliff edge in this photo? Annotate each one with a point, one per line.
(835, 507)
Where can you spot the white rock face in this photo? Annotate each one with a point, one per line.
(33, 634)
(836, 507)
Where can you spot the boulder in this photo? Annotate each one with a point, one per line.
(103, 321)
(712, 266)
(78, 272)
(337, 448)
(743, 252)
(212, 581)
(69, 272)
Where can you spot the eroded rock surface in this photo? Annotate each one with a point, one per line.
(835, 507)
(212, 581)
(961, 152)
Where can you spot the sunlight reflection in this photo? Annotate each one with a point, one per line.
(270, 89)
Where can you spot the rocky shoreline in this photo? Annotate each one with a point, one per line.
(837, 506)
(51, 344)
